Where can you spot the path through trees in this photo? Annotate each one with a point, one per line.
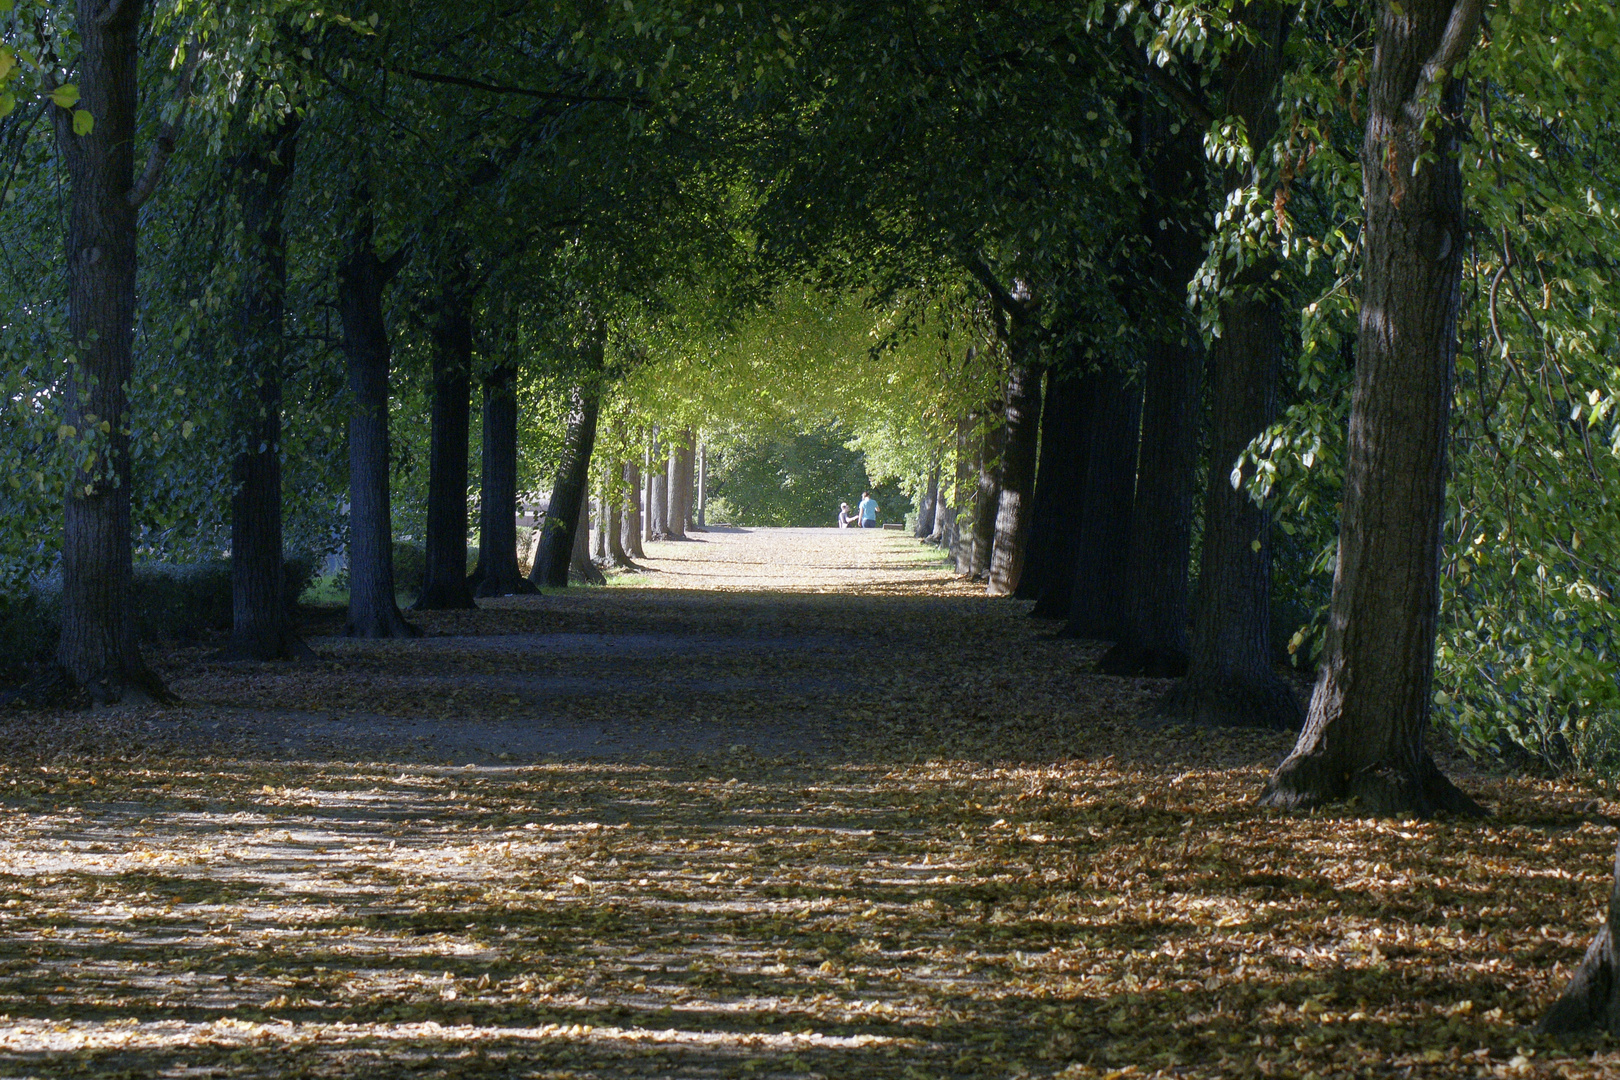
(795, 803)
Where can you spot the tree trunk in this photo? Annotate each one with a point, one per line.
(987, 496)
(569, 489)
(967, 476)
(657, 493)
(1059, 488)
(599, 552)
(1591, 1001)
(445, 585)
(632, 517)
(703, 487)
(362, 277)
(674, 505)
(621, 530)
(580, 566)
(1020, 438)
(1102, 545)
(689, 482)
(261, 624)
(1153, 636)
(1364, 734)
(97, 648)
(497, 573)
(929, 510)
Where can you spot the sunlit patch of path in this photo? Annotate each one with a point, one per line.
(895, 830)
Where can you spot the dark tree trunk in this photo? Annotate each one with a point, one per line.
(599, 552)
(445, 585)
(1364, 734)
(1015, 502)
(1230, 681)
(1059, 488)
(657, 493)
(1102, 544)
(1153, 636)
(632, 517)
(498, 573)
(928, 511)
(967, 480)
(261, 624)
(987, 496)
(1591, 1001)
(568, 490)
(362, 277)
(97, 648)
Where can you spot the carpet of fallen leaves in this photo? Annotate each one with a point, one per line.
(972, 863)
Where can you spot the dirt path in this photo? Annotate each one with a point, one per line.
(820, 810)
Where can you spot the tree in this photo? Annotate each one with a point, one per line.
(1364, 733)
(445, 584)
(497, 572)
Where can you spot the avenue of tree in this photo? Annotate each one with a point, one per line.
(1170, 317)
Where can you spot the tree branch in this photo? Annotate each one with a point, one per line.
(168, 133)
(523, 91)
(1461, 30)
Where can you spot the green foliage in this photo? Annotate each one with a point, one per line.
(793, 480)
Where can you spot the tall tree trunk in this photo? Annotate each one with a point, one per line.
(674, 505)
(1015, 503)
(632, 517)
(261, 624)
(569, 489)
(967, 480)
(703, 487)
(1364, 734)
(929, 510)
(1055, 518)
(362, 277)
(580, 566)
(599, 551)
(620, 529)
(497, 573)
(1230, 680)
(445, 584)
(97, 648)
(657, 492)
(689, 481)
(1102, 545)
(988, 495)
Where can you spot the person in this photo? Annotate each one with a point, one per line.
(845, 515)
(869, 509)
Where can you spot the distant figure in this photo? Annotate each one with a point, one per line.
(869, 509)
(845, 515)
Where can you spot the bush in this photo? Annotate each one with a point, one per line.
(410, 566)
(28, 628)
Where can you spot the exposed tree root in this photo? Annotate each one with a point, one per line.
(1230, 702)
(514, 584)
(1308, 780)
(1591, 1001)
(387, 624)
(286, 646)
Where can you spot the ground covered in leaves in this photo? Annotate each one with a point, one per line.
(868, 824)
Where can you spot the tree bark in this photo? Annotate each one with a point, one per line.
(261, 624)
(703, 487)
(497, 573)
(1066, 420)
(1102, 544)
(928, 511)
(1364, 733)
(1153, 635)
(987, 495)
(599, 552)
(621, 531)
(1591, 1001)
(362, 277)
(97, 649)
(657, 493)
(1015, 501)
(569, 489)
(967, 476)
(445, 585)
(689, 482)
(632, 518)
(580, 566)
(1230, 681)
(674, 504)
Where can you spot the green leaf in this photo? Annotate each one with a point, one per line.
(8, 101)
(66, 95)
(83, 122)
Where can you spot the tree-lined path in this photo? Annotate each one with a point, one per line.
(895, 829)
